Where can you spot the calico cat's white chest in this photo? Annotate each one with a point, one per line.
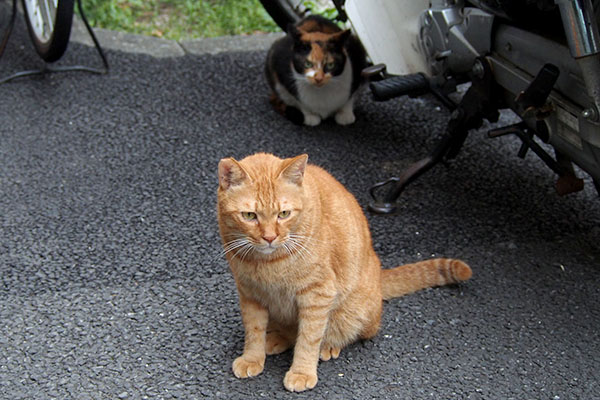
(325, 100)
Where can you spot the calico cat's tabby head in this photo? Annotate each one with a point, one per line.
(319, 51)
(260, 202)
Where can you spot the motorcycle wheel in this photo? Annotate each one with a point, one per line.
(285, 12)
(49, 25)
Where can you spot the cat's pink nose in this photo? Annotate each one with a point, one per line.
(270, 238)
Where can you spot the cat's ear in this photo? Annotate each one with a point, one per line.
(341, 37)
(293, 169)
(231, 173)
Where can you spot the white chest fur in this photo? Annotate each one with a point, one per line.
(329, 98)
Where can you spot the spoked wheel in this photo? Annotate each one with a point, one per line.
(285, 12)
(49, 25)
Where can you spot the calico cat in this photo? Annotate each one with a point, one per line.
(315, 72)
(299, 248)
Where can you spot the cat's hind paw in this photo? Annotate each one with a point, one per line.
(327, 353)
(298, 382)
(276, 343)
(345, 117)
(245, 368)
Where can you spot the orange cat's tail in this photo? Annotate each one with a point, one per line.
(409, 278)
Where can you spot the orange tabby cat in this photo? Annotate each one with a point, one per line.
(300, 251)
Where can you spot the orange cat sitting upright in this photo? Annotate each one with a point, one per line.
(307, 276)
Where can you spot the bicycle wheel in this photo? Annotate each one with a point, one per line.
(49, 25)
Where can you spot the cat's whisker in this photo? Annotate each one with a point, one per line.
(286, 246)
(242, 246)
(298, 246)
(241, 249)
(235, 235)
(306, 238)
(247, 250)
(228, 247)
(233, 245)
(303, 240)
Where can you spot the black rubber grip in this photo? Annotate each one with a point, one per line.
(412, 85)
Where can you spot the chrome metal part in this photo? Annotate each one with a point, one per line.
(453, 36)
(580, 27)
(590, 114)
(590, 69)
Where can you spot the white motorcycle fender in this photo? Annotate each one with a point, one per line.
(389, 31)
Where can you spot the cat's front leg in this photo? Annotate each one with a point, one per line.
(313, 311)
(345, 115)
(255, 318)
(311, 119)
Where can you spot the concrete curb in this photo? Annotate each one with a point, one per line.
(160, 48)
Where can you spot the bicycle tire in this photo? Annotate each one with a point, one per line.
(283, 12)
(51, 31)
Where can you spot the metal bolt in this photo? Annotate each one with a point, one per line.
(590, 114)
(428, 20)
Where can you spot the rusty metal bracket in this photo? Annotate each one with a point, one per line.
(567, 181)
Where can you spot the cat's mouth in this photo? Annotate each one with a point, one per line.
(318, 83)
(268, 249)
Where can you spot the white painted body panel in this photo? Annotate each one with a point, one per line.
(389, 31)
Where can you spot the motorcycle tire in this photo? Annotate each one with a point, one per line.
(49, 25)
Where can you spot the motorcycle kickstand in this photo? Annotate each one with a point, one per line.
(477, 103)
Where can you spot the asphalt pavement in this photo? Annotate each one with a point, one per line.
(112, 280)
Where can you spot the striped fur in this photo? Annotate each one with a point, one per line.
(299, 248)
(409, 278)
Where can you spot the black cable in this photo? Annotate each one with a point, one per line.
(48, 68)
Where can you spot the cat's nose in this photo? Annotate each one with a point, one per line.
(269, 238)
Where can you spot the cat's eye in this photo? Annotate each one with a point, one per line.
(248, 215)
(284, 214)
(330, 65)
(307, 64)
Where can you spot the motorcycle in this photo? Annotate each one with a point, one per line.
(539, 58)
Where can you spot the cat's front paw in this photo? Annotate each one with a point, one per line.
(345, 117)
(298, 382)
(246, 368)
(312, 119)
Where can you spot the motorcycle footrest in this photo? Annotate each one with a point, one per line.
(396, 86)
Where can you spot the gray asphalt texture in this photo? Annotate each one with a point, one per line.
(112, 282)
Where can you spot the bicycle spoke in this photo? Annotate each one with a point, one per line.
(47, 10)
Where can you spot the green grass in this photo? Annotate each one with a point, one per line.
(180, 19)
